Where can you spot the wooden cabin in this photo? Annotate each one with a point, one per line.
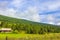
(5, 30)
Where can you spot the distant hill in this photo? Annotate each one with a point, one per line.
(27, 26)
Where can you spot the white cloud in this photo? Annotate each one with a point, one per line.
(50, 18)
(17, 3)
(8, 12)
(30, 14)
(49, 6)
(51, 22)
(4, 10)
(36, 17)
(3, 5)
(58, 23)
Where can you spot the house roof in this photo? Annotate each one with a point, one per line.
(5, 29)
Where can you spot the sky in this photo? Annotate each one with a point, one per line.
(43, 11)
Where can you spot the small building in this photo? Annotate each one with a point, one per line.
(5, 30)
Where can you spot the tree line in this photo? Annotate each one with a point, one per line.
(30, 28)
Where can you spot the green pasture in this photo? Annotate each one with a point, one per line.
(51, 36)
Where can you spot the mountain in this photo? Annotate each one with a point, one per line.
(27, 26)
(15, 20)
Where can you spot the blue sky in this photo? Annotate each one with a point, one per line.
(45, 11)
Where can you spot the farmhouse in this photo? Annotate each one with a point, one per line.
(5, 30)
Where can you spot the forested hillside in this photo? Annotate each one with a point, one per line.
(21, 25)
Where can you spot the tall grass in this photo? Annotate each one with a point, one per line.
(51, 36)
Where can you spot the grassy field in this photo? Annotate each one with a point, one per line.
(51, 36)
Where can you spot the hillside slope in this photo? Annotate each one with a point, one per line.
(15, 20)
(27, 26)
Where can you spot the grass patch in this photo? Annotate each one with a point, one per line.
(51, 36)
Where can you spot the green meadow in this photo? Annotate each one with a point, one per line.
(50, 36)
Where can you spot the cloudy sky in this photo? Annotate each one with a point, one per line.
(45, 11)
